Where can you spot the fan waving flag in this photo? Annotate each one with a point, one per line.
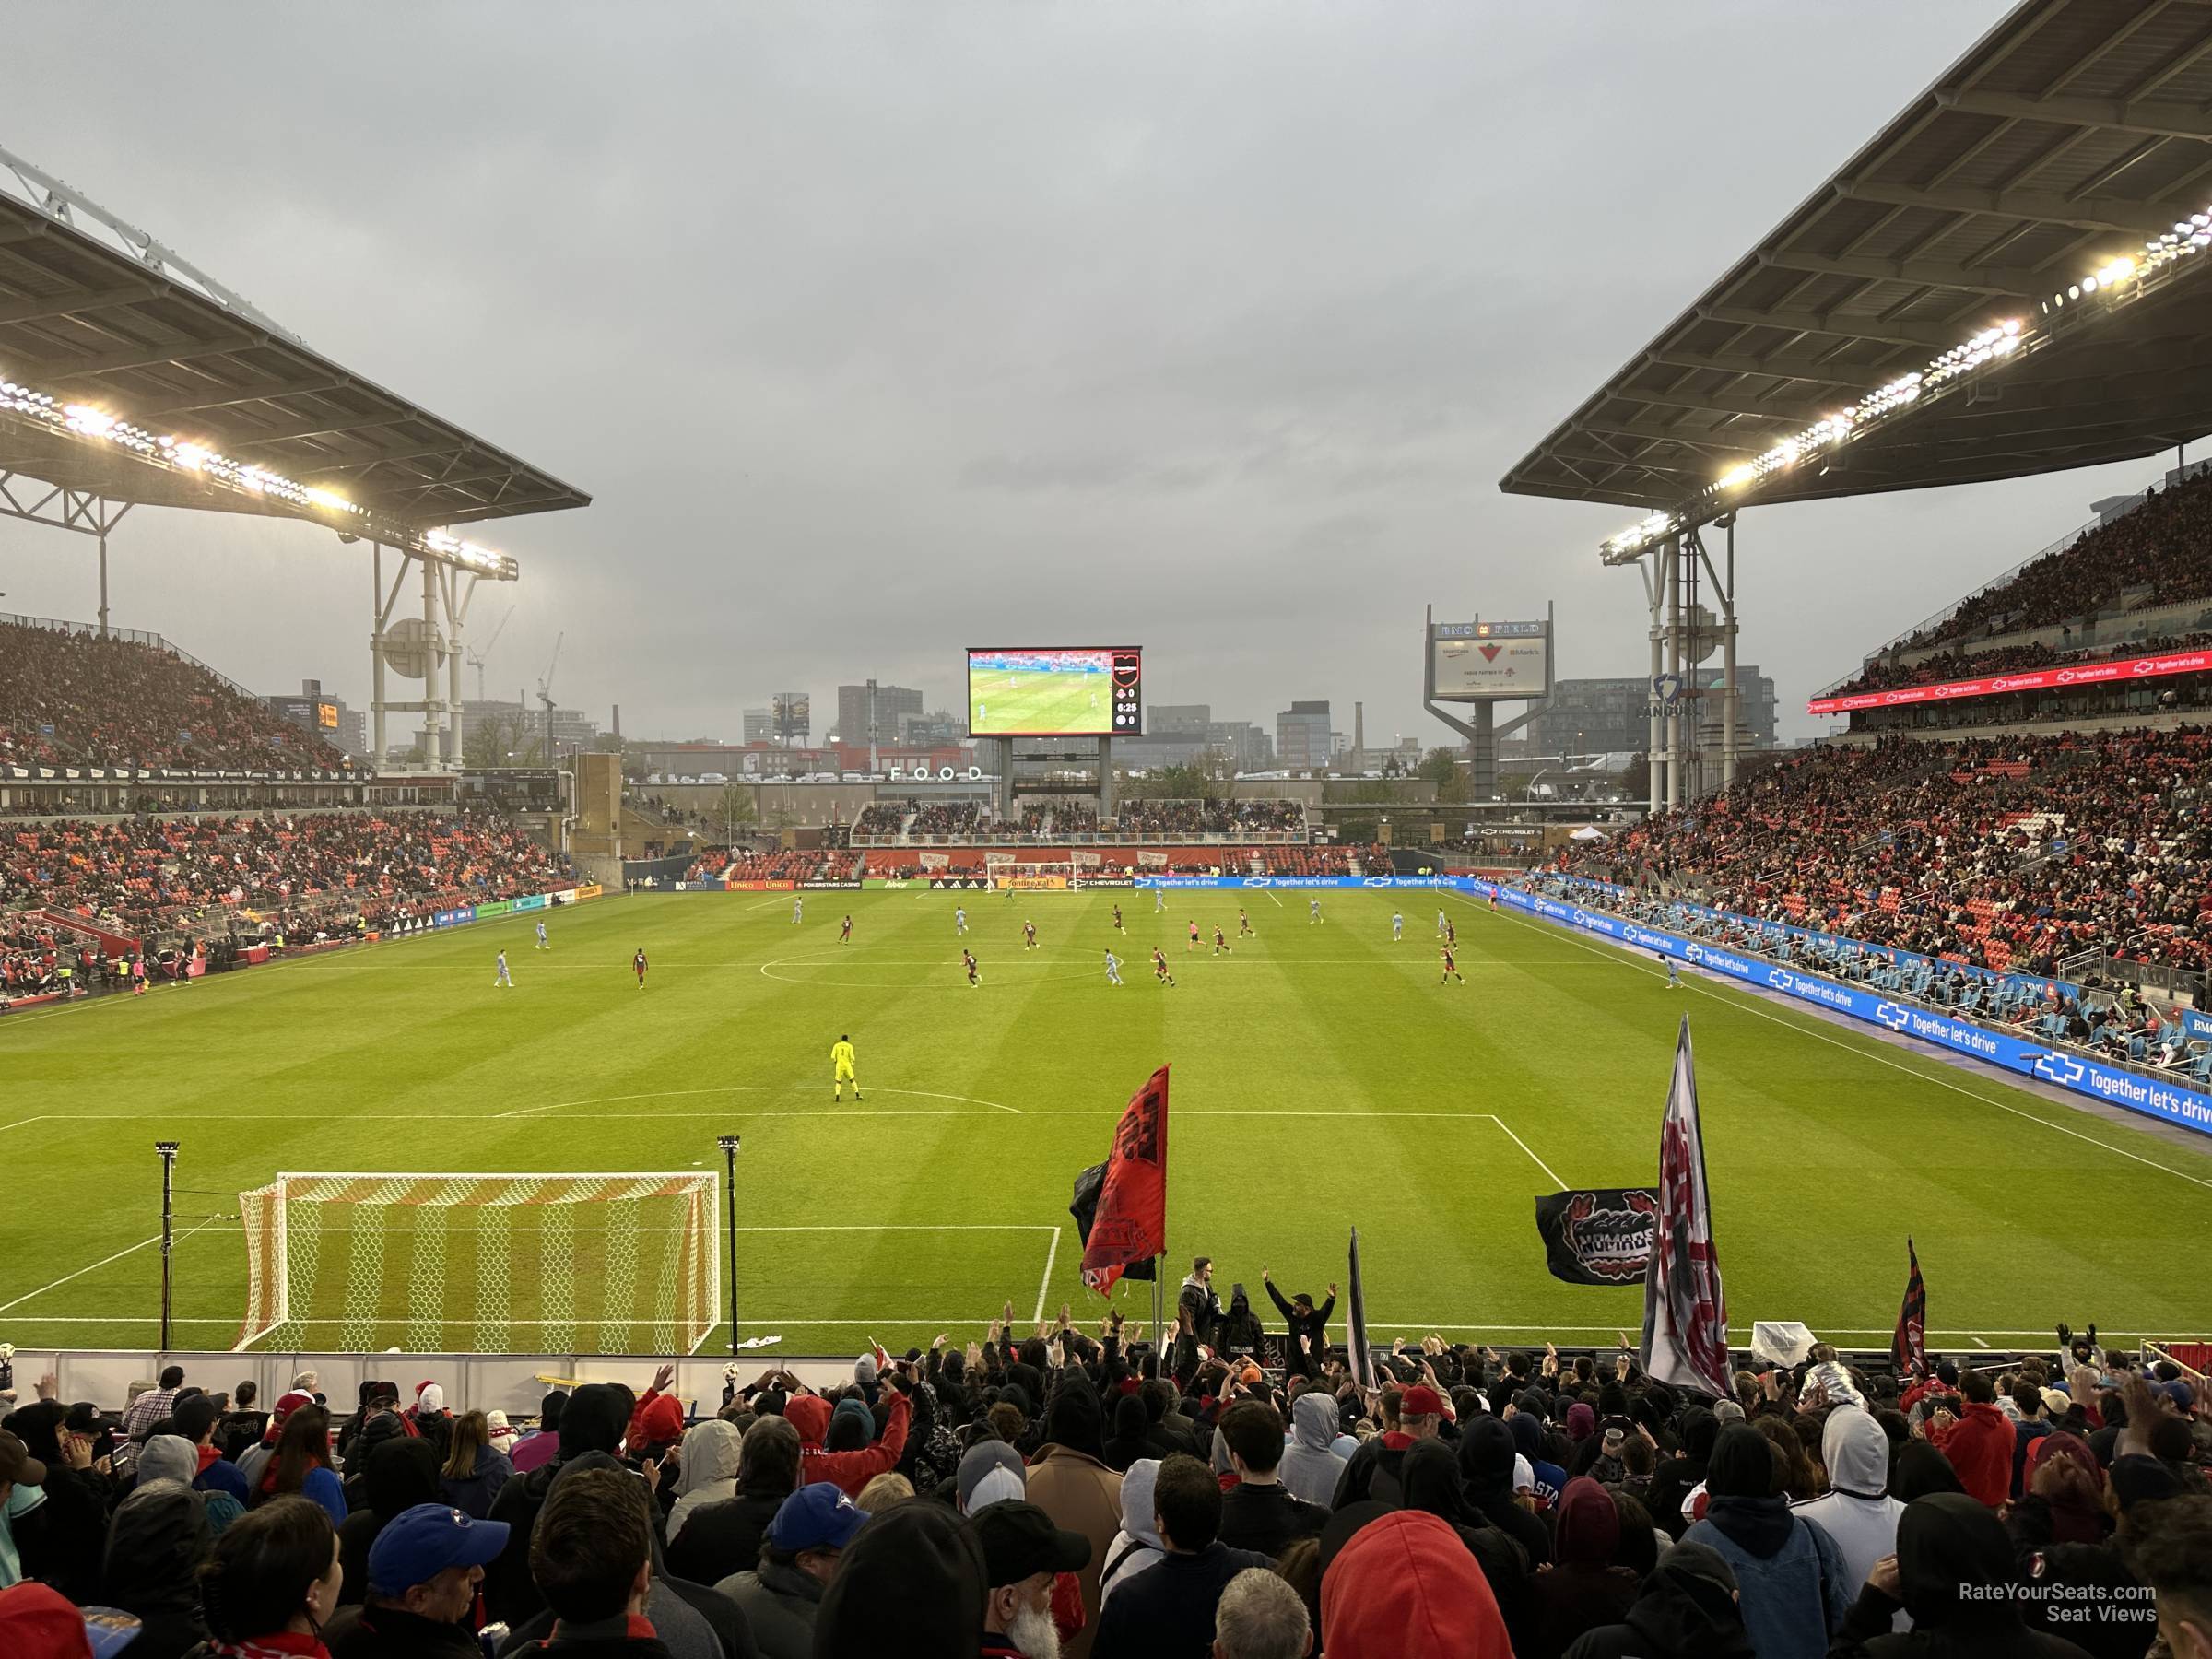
(1909, 1346)
(1131, 1223)
(1355, 1325)
(1685, 1313)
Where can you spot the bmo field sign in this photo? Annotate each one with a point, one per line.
(1488, 661)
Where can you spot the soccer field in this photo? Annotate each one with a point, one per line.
(1322, 1078)
(1040, 703)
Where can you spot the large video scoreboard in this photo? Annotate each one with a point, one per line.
(1055, 691)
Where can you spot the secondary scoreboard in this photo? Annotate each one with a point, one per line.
(1489, 662)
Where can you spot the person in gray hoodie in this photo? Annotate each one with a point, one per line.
(1857, 1511)
(1137, 1546)
(707, 1470)
(1310, 1466)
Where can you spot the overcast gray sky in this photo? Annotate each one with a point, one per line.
(877, 331)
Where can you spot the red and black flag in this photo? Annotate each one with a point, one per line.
(1909, 1345)
(1685, 1311)
(1130, 1224)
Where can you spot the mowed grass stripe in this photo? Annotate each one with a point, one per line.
(1823, 1152)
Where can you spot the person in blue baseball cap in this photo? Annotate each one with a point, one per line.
(423, 1572)
(798, 1560)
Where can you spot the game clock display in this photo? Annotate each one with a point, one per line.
(1056, 691)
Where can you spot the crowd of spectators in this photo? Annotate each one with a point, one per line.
(811, 865)
(1272, 818)
(1888, 674)
(2158, 553)
(1059, 1494)
(297, 874)
(2008, 853)
(73, 698)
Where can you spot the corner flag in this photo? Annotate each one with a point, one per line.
(1685, 1312)
(1909, 1345)
(1132, 1220)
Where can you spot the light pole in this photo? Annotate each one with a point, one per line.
(168, 1149)
(728, 1142)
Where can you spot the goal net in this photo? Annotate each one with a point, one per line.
(613, 1264)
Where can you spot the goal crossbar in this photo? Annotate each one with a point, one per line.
(651, 1263)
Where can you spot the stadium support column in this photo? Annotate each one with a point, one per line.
(456, 616)
(1672, 553)
(433, 738)
(1731, 704)
(168, 1149)
(376, 655)
(1105, 778)
(1003, 749)
(1652, 592)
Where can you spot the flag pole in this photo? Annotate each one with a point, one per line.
(1158, 1303)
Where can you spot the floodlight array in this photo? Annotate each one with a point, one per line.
(1989, 345)
(83, 420)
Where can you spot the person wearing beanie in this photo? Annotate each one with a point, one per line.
(1790, 1573)
(1676, 1477)
(1857, 1511)
(500, 1433)
(1167, 1611)
(911, 1584)
(430, 1419)
(1980, 1444)
(399, 1475)
(1069, 1482)
(1525, 1423)
(593, 1421)
(1405, 1587)
(1686, 1609)
(253, 1461)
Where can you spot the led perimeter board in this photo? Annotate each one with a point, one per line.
(1055, 691)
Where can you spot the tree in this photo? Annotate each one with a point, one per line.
(1442, 768)
(736, 810)
(503, 738)
(1180, 782)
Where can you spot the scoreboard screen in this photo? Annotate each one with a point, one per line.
(1056, 691)
(326, 716)
(1479, 661)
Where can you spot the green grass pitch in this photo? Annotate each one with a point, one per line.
(1322, 1078)
(1036, 704)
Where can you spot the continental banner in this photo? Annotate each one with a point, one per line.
(531, 901)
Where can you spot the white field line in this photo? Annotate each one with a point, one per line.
(1101, 1113)
(127, 1249)
(1750, 1005)
(1272, 899)
(1524, 1146)
(1044, 1285)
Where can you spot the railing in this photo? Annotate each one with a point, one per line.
(129, 636)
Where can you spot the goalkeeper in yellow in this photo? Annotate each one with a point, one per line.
(841, 1063)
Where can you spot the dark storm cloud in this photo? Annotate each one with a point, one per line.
(879, 330)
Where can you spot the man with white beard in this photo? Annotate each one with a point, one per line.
(1023, 1553)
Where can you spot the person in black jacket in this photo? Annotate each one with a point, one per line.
(1197, 1307)
(1309, 1340)
(1167, 1611)
(593, 1420)
(156, 1544)
(723, 1537)
(1686, 1609)
(1259, 1513)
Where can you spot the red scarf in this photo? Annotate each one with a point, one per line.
(283, 1644)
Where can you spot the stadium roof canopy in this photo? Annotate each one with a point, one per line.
(95, 314)
(2008, 278)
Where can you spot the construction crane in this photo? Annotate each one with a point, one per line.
(544, 693)
(475, 658)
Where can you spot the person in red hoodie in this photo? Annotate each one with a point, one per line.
(1980, 1444)
(1406, 1587)
(848, 1471)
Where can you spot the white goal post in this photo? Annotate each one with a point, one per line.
(489, 1262)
